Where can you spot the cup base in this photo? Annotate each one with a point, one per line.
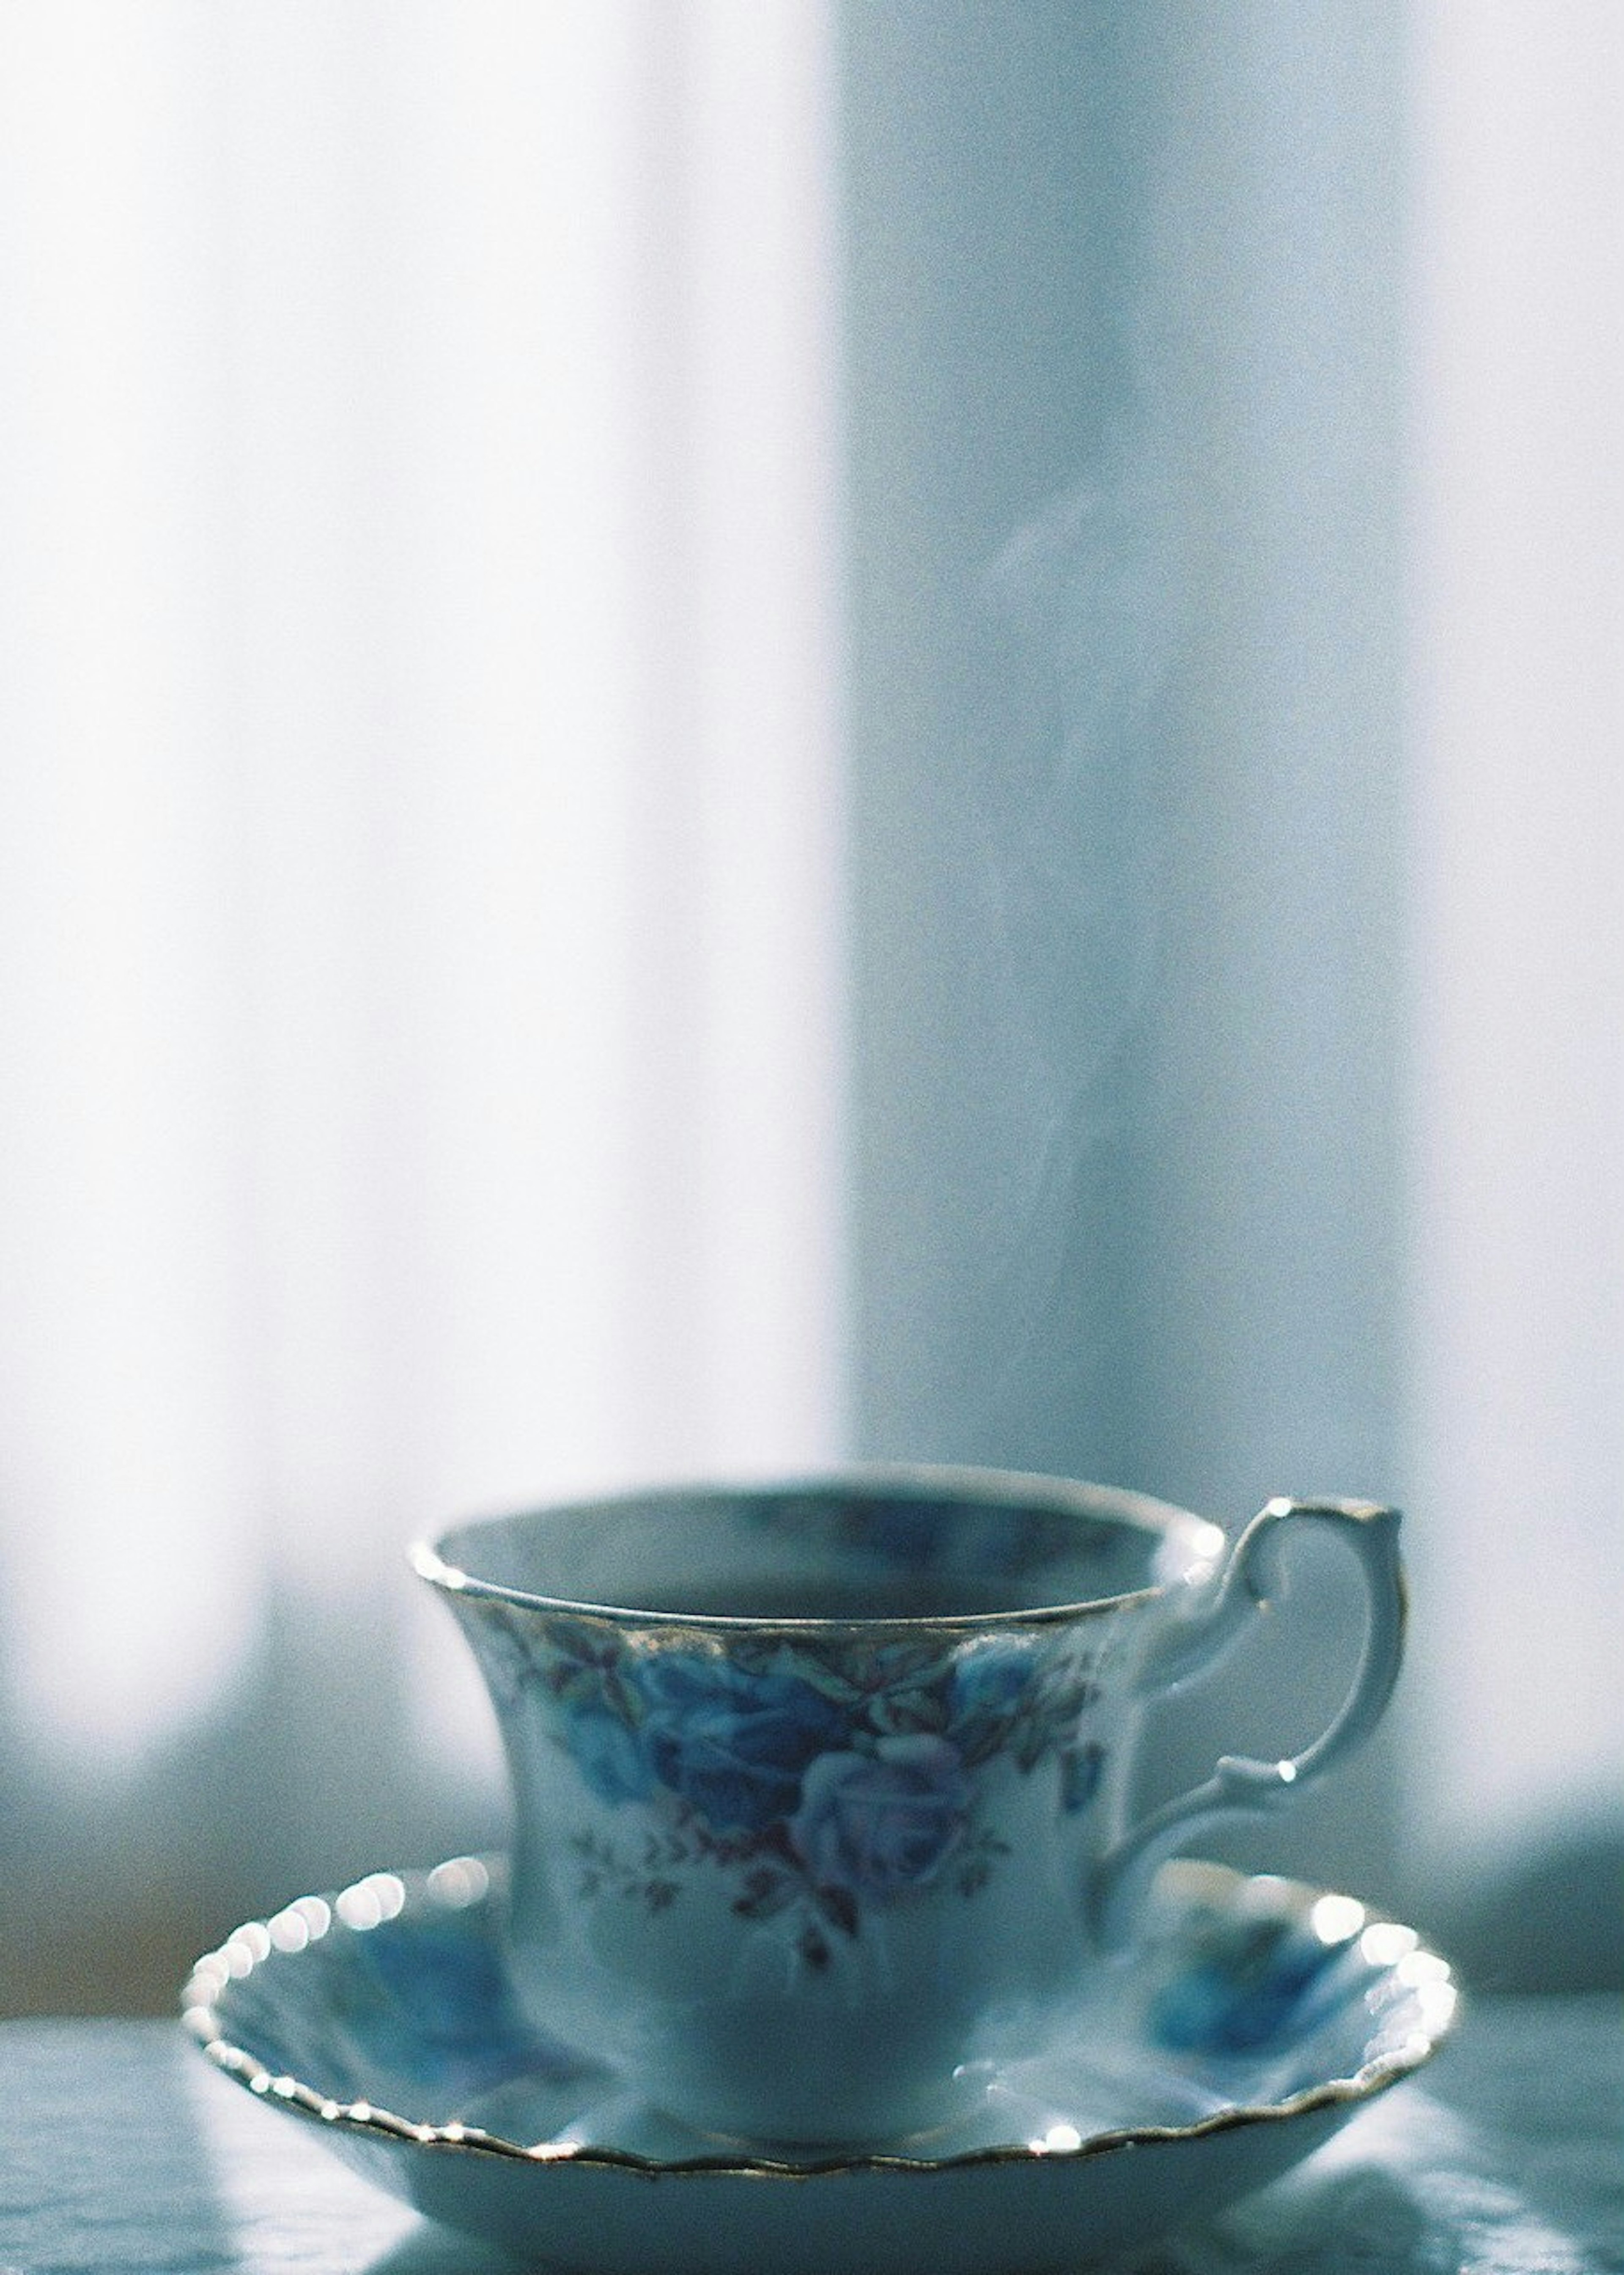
(971, 2097)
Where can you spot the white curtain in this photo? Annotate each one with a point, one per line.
(427, 1077)
(419, 822)
(1516, 1404)
(1240, 1011)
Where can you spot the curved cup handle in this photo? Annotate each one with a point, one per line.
(1239, 1784)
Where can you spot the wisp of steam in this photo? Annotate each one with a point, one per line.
(1079, 620)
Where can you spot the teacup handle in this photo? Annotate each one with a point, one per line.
(1240, 1784)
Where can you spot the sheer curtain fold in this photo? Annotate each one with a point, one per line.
(1516, 1410)
(418, 815)
(440, 447)
(1309, 1180)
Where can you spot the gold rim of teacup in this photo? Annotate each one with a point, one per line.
(1116, 1505)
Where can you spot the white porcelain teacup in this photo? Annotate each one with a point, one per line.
(822, 1787)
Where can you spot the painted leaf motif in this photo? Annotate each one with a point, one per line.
(766, 1893)
(839, 1906)
(1081, 1769)
(980, 1742)
(913, 1711)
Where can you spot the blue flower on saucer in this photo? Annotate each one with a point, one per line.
(1249, 1985)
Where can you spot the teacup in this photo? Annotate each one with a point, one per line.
(822, 1789)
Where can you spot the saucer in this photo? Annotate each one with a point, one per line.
(1257, 2016)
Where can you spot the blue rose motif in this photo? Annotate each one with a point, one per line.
(605, 1750)
(732, 1743)
(878, 1823)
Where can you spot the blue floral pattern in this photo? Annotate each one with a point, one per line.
(1249, 1985)
(734, 1746)
(881, 1822)
(423, 1998)
(827, 1776)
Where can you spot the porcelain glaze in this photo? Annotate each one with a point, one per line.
(821, 1789)
(1257, 2016)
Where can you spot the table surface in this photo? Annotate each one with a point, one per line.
(121, 2150)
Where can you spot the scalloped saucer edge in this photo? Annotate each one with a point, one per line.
(1258, 2015)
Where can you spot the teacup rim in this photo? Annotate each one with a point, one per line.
(1121, 1504)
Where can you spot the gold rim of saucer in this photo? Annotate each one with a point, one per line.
(464, 1883)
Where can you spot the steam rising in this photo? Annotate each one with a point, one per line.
(1079, 620)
